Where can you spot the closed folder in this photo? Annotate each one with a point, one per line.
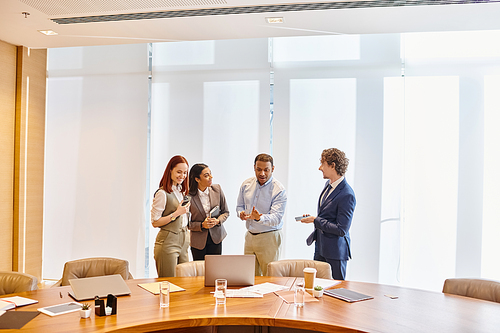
(347, 295)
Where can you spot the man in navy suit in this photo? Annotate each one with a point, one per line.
(335, 210)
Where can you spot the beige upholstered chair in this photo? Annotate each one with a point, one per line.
(192, 268)
(476, 288)
(14, 282)
(90, 267)
(295, 268)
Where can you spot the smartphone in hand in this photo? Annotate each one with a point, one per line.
(185, 201)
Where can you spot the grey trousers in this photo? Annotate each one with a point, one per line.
(170, 249)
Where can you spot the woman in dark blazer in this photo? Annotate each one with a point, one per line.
(207, 232)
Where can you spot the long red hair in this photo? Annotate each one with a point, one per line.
(166, 180)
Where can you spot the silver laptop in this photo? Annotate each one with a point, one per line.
(238, 270)
(89, 288)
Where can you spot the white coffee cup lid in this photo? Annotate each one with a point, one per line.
(309, 270)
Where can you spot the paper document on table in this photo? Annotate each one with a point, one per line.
(325, 283)
(238, 293)
(154, 287)
(265, 288)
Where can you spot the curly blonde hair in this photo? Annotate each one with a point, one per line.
(335, 156)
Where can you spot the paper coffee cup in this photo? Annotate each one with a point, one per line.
(309, 275)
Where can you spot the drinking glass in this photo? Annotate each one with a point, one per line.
(220, 291)
(248, 209)
(164, 294)
(299, 295)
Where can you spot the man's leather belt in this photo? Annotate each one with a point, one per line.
(263, 232)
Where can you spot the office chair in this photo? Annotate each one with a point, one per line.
(89, 267)
(15, 282)
(192, 268)
(295, 268)
(476, 288)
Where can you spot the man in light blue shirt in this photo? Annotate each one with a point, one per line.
(261, 203)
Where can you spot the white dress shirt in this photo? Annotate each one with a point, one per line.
(331, 189)
(205, 200)
(160, 201)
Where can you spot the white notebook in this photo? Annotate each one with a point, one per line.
(8, 303)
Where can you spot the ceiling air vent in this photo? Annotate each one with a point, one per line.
(81, 7)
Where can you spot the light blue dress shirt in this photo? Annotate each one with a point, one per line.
(269, 200)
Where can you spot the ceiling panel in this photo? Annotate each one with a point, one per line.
(244, 21)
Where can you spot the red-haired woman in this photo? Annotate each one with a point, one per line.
(168, 213)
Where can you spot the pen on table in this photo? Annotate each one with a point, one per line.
(60, 294)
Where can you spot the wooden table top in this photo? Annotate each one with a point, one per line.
(413, 311)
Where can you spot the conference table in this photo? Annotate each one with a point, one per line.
(194, 310)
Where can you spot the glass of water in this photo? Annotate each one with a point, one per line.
(164, 294)
(220, 291)
(299, 295)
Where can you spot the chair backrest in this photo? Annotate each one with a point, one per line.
(90, 267)
(14, 282)
(192, 268)
(295, 268)
(476, 288)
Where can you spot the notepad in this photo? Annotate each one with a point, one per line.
(347, 295)
(154, 287)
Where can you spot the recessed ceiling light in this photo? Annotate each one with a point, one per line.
(273, 20)
(48, 32)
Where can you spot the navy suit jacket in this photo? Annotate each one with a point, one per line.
(331, 226)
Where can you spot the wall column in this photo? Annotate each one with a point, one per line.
(8, 58)
(29, 161)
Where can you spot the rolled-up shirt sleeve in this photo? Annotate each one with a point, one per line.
(158, 206)
(240, 205)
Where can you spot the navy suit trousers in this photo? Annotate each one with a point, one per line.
(338, 266)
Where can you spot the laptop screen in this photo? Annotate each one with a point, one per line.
(238, 270)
